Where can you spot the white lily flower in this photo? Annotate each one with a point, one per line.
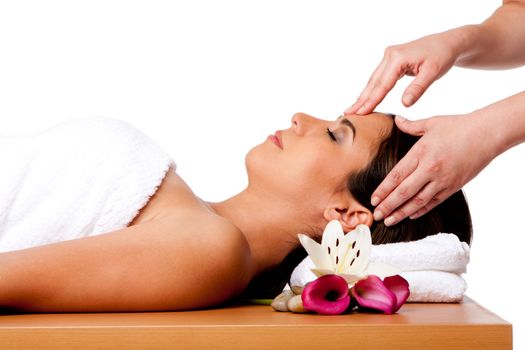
(345, 255)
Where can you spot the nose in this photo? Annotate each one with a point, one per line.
(302, 122)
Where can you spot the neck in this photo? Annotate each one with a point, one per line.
(268, 227)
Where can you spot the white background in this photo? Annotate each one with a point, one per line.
(210, 79)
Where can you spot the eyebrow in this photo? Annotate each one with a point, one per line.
(348, 123)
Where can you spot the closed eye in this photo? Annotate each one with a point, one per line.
(331, 135)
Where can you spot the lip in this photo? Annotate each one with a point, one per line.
(277, 139)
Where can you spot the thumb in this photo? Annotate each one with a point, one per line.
(415, 128)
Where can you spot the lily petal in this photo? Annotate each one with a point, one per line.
(321, 272)
(381, 270)
(399, 286)
(319, 256)
(333, 236)
(327, 295)
(372, 293)
(357, 254)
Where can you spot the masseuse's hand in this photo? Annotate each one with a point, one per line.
(451, 151)
(427, 59)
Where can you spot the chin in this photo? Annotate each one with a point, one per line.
(254, 162)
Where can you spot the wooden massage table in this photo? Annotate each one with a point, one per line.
(417, 326)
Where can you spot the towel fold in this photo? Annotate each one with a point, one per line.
(432, 266)
(79, 178)
(435, 286)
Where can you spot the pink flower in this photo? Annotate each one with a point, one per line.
(386, 296)
(327, 295)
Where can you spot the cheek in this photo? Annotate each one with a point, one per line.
(313, 170)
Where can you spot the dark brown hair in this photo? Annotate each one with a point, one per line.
(451, 216)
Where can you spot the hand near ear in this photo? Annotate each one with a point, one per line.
(451, 151)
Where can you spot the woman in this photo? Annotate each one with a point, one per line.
(181, 252)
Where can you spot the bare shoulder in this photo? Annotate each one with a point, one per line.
(218, 251)
(227, 240)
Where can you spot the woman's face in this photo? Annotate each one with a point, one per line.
(310, 162)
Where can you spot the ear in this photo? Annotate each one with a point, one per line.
(349, 213)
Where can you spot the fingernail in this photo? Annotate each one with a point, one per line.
(374, 201)
(390, 221)
(361, 109)
(408, 99)
(348, 111)
(378, 215)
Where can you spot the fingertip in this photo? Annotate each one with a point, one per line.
(352, 108)
(378, 215)
(400, 119)
(389, 221)
(408, 100)
(375, 201)
(363, 109)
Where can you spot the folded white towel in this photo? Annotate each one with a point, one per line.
(432, 266)
(81, 177)
(442, 251)
(435, 286)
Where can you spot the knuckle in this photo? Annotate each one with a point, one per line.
(433, 67)
(381, 89)
(419, 201)
(392, 51)
(417, 89)
(420, 150)
(435, 200)
(404, 194)
(436, 167)
(395, 177)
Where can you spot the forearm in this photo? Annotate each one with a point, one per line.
(101, 273)
(502, 123)
(497, 43)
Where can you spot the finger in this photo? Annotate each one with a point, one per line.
(406, 166)
(363, 97)
(426, 76)
(437, 199)
(353, 108)
(415, 128)
(425, 198)
(384, 82)
(402, 194)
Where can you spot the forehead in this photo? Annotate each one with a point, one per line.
(371, 129)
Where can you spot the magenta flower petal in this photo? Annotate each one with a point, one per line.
(327, 295)
(373, 294)
(399, 286)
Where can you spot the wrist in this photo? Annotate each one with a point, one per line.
(467, 43)
(493, 137)
(502, 124)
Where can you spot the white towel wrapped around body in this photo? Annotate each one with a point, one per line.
(79, 178)
(432, 266)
